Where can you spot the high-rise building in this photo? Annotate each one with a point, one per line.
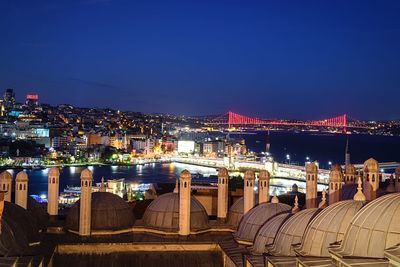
(9, 99)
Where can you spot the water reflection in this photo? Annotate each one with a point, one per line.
(148, 173)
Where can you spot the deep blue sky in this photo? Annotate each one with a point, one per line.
(271, 59)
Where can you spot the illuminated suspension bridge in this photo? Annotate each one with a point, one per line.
(232, 119)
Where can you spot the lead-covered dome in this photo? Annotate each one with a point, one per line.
(291, 232)
(375, 228)
(108, 212)
(235, 212)
(257, 216)
(266, 235)
(163, 214)
(328, 227)
(19, 232)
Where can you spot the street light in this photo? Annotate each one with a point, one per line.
(307, 158)
(288, 157)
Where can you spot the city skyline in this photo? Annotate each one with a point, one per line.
(272, 60)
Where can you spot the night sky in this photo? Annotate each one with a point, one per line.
(271, 59)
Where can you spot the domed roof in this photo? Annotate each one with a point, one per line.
(109, 212)
(5, 176)
(373, 229)
(291, 232)
(22, 177)
(311, 167)
(266, 235)
(235, 212)
(256, 217)
(350, 169)
(371, 165)
(163, 214)
(328, 227)
(18, 231)
(54, 171)
(86, 174)
(223, 172)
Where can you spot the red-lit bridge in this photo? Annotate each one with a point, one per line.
(233, 119)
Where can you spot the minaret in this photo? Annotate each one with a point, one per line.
(311, 185)
(335, 184)
(184, 202)
(263, 186)
(52, 191)
(371, 179)
(249, 180)
(267, 144)
(397, 179)
(5, 185)
(347, 153)
(223, 179)
(21, 189)
(85, 203)
(350, 174)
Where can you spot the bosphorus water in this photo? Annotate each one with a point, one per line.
(321, 147)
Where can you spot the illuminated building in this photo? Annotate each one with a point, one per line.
(32, 100)
(9, 99)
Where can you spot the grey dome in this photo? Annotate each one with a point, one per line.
(235, 212)
(375, 228)
(257, 216)
(291, 232)
(328, 227)
(163, 214)
(109, 212)
(18, 231)
(267, 232)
